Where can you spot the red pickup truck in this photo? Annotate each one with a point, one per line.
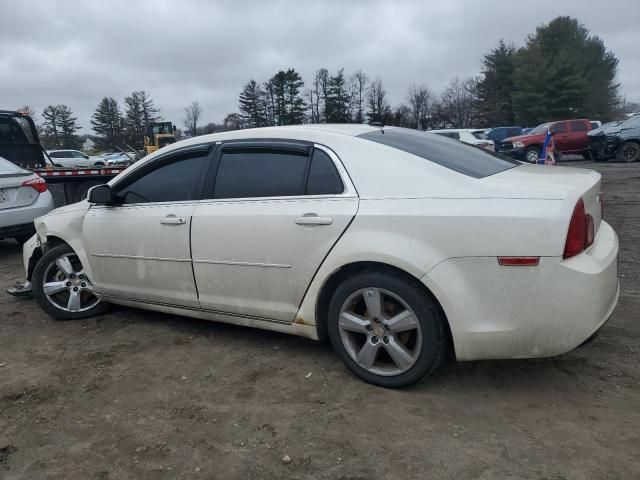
(570, 136)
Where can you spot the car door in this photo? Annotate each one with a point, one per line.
(80, 160)
(579, 139)
(274, 213)
(139, 248)
(561, 136)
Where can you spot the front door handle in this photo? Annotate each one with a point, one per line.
(313, 219)
(173, 220)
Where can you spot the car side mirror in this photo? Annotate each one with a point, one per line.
(101, 194)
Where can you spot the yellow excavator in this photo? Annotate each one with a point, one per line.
(158, 135)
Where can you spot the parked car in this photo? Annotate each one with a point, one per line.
(472, 136)
(620, 140)
(498, 134)
(23, 197)
(570, 136)
(401, 247)
(526, 130)
(73, 158)
(595, 124)
(119, 158)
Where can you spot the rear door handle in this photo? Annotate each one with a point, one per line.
(173, 220)
(313, 219)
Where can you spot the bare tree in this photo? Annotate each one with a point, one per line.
(459, 103)
(191, 117)
(421, 101)
(358, 91)
(378, 108)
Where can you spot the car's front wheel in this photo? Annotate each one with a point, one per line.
(61, 286)
(532, 154)
(386, 329)
(629, 152)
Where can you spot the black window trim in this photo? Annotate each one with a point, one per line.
(164, 159)
(298, 146)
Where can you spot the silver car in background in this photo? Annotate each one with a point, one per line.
(23, 197)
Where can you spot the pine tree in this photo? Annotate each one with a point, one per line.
(496, 87)
(50, 126)
(140, 113)
(107, 122)
(338, 99)
(60, 127)
(564, 72)
(252, 105)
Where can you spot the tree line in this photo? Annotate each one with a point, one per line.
(561, 71)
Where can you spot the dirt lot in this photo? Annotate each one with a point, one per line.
(143, 395)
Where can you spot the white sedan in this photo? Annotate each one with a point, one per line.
(400, 247)
(73, 159)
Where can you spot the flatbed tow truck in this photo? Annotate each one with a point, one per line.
(20, 144)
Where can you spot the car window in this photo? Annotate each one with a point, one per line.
(514, 132)
(323, 177)
(632, 122)
(480, 135)
(540, 129)
(264, 172)
(78, 155)
(456, 156)
(578, 126)
(454, 135)
(176, 179)
(559, 127)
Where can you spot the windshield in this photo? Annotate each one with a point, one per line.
(540, 129)
(452, 154)
(632, 122)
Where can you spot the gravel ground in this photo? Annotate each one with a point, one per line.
(143, 395)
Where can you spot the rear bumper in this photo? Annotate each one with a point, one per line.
(523, 312)
(20, 216)
(17, 230)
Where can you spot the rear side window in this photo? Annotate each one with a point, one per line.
(578, 126)
(323, 177)
(177, 180)
(456, 156)
(514, 132)
(480, 135)
(559, 127)
(245, 173)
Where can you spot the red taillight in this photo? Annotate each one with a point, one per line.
(38, 183)
(581, 231)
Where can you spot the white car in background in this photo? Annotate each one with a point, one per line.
(23, 197)
(73, 159)
(473, 136)
(402, 248)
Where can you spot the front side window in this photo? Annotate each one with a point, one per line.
(78, 155)
(260, 172)
(559, 127)
(175, 180)
(578, 126)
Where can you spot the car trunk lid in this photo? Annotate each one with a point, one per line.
(555, 181)
(12, 192)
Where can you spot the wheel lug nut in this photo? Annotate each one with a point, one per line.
(81, 276)
(385, 339)
(83, 284)
(369, 327)
(72, 276)
(68, 284)
(374, 339)
(75, 289)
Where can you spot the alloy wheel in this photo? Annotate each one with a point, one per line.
(532, 156)
(380, 332)
(630, 152)
(66, 285)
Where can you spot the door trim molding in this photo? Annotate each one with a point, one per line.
(243, 264)
(141, 257)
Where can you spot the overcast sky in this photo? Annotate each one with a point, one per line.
(76, 52)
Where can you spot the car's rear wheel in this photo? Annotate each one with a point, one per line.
(386, 329)
(532, 154)
(629, 152)
(61, 286)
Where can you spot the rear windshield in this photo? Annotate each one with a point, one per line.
(452, 154)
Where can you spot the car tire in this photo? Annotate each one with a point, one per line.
(406, 352)
(98, 164)
(55, 280)
(529, 154)
(628, 152)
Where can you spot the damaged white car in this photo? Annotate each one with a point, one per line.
(402, 248)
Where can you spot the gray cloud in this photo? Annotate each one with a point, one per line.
(76, 52)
